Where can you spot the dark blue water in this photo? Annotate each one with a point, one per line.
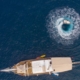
(23, 35)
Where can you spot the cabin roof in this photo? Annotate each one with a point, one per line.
(41, 66)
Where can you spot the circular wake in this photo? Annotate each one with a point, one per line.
(64, 25)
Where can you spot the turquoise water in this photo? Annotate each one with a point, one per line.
(23, 35)
(65, 27)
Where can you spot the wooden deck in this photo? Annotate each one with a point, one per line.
(28, 67)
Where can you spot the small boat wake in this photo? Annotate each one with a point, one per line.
(64, 25)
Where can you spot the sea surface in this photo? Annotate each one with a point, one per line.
(24, 35)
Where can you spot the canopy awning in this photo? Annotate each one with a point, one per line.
(61, 64)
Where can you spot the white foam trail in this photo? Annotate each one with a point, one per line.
(55, 22)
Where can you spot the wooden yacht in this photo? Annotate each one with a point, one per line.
(41, 66)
